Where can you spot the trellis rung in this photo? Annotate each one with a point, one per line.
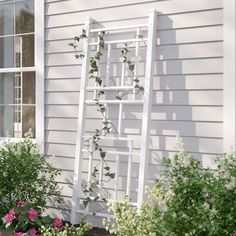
(112, 88)
(119, 28)
(115, 101)
(120, 41)
(117, 152)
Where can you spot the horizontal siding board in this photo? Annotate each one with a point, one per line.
(57, 7)
(61, 124)
(202, 49)
(66, 164)
(62, 98)
(170, 36)
(138, 10)
(211, 49)
(193, 144)
(164, 82)
(195, 113)
(182, 128)
(189, 82)
(63, 72)
(168, 128)
(61, 111)
(181, 66)
(67, 6)
(183, 97)
(62, 85)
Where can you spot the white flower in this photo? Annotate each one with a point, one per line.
(232, 184)
(187, 161)
(179, 144)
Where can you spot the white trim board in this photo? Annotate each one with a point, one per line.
(229, 84)
(39, 64)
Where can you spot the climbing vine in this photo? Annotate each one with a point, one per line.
(93, 142)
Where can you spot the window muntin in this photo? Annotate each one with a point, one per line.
(17, 51)
(17, 104)
(17, 34)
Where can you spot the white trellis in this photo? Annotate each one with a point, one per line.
(145, 101)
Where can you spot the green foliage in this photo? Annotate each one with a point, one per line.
(24, 174)
(196, 201)
(67, 230)
(128, 220)
(186, 201)
(24, 218)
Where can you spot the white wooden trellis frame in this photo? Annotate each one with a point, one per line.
(146, 101)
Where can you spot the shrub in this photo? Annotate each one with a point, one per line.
(128, 221)
(24, 174)
(67, 230)
(196, 201)
(186, 201)
(24, 219)
(223, 197)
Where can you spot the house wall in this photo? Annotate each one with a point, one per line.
(188, 93)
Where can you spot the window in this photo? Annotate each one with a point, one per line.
(21, 68)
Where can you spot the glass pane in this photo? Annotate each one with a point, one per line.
(7, 52)
(15, 121)
(28, 120)
(18, 52)
(17, 88)
(28, 88)
(6, 19)
(25, 17)
(24, 50)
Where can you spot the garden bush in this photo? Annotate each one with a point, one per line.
(25, 175)
(25, 219)
(67, 230)
(187, 200)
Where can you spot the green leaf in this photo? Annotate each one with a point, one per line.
(98, 55)
(96, 199)
(131, 67)
(103, 155)
(98, 80)
(77, 38)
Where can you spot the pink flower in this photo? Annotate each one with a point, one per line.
(32, 214)
(9, 218)
(19, 234)
(12, 211)
(20, 203)
(57, 223)
(32, 232)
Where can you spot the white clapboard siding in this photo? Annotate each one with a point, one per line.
(67, 6)
(213, 49)
(159, 127)
(170, 112)
(168, 36)
(188, 76)
(163, 82)
(198, 49)
(123, 11)
(167, 97)
(175, 66)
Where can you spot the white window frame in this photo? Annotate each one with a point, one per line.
(38, 68)
(229, 78)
